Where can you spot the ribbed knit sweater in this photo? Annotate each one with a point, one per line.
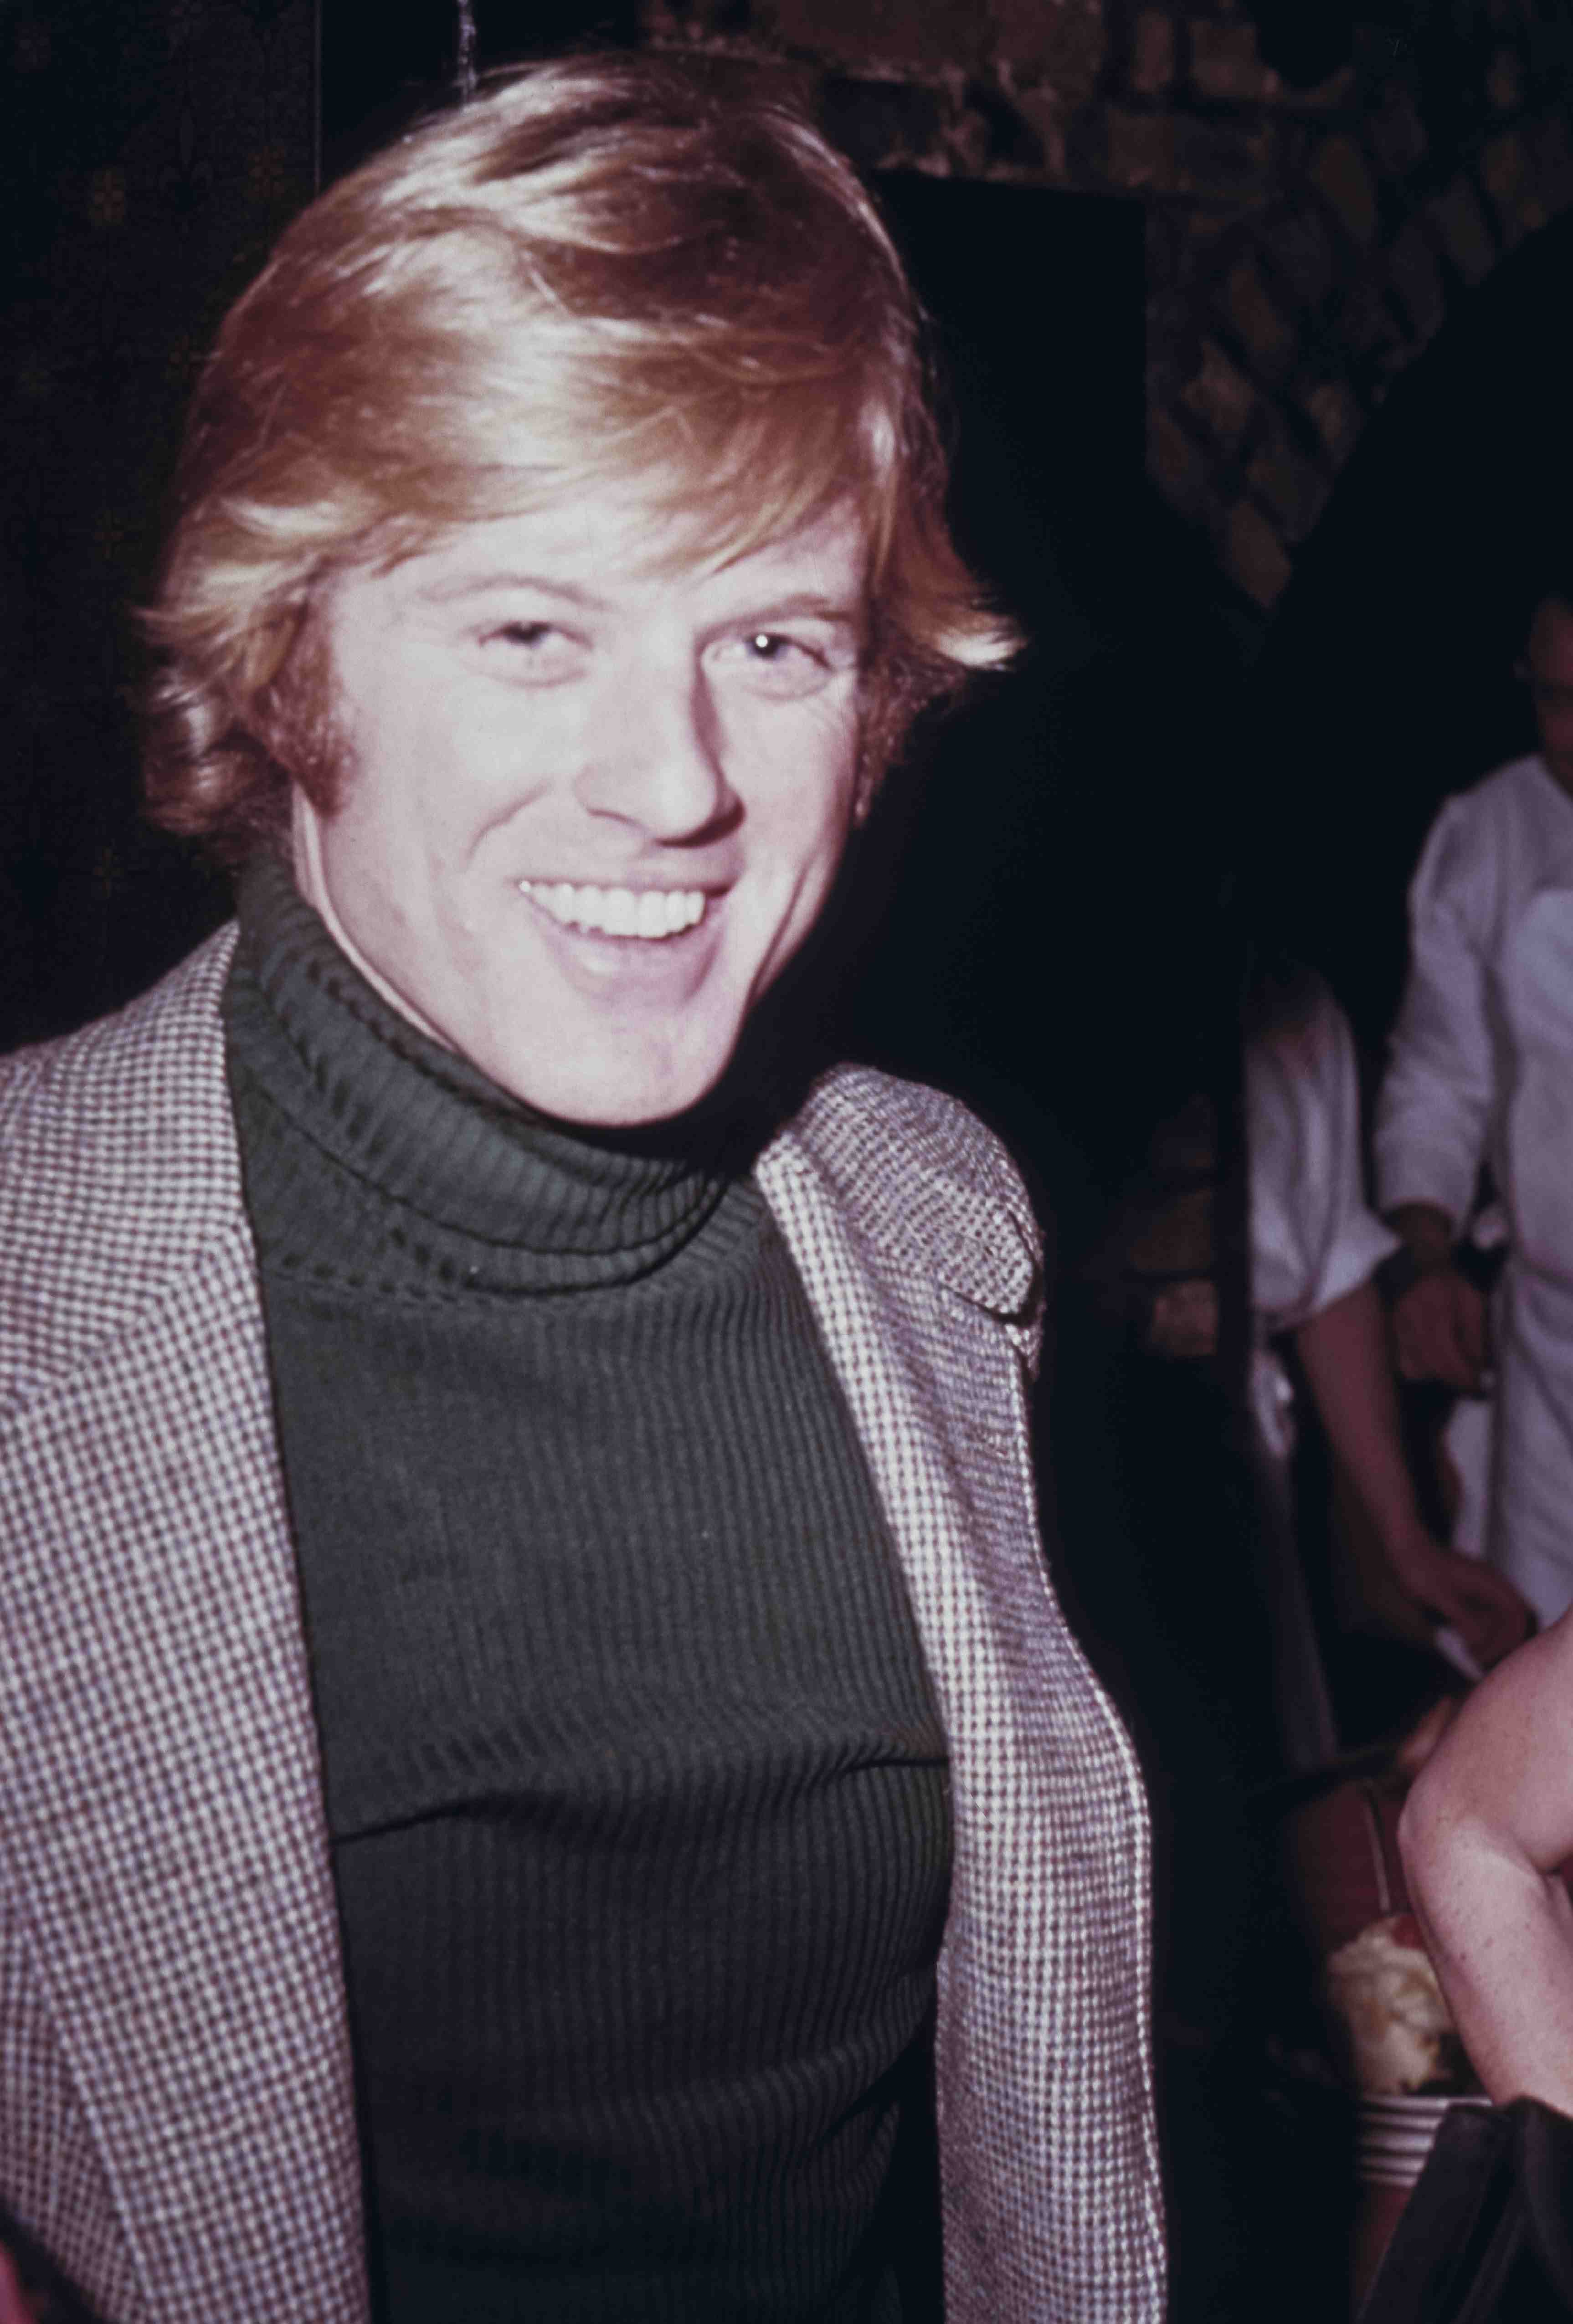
(636, 1788)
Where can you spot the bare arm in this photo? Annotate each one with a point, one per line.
(1439, 1324)
(1488, 1820)
(14, 2306)
(1344, 1351)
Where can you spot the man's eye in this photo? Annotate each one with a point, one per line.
(533, 653)
(771, 662)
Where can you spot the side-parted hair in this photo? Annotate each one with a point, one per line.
(611, 269)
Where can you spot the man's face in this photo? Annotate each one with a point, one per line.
(1548, 662)
(592, 808)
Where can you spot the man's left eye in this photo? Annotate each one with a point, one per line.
(771, 661)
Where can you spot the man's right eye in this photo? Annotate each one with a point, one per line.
(535, 652)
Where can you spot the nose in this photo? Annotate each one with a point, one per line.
(656, 759)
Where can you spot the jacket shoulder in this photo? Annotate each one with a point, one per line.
(118, 1169)
(924, 1177)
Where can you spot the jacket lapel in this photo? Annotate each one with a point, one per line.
(164, 1836)
(920, 1264)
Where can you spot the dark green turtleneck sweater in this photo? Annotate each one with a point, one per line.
(636, 1785)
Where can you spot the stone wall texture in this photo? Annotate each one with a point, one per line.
(1305, 242)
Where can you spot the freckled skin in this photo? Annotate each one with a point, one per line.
(535, 700)
(1485, 1829)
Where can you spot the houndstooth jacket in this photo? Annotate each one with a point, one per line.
(177, 2124)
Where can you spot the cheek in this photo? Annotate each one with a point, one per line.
(837, 788)
(798, 779)
(378, 846)
(806, 850)
(413, 776)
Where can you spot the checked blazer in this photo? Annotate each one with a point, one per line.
(177, 2123)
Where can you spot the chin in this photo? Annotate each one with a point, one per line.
(613, 1100)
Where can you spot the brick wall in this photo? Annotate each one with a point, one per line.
(1304, 244)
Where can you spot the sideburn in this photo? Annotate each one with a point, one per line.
(295, 716)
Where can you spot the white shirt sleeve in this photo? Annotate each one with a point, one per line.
(1313, 1239)
(1434, 1111)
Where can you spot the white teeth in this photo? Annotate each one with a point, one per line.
(650, 913)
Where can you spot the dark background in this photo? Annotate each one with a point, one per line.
(1387, 677)
(149, 156)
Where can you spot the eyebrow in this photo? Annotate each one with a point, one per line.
(787, 609)
(483, 585)
(801, 603)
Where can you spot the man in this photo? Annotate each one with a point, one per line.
(533, 1727)
(1315, 1249)
(1482, 1071)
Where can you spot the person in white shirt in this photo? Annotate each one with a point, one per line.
(1315, 1246)
(1482, 1073)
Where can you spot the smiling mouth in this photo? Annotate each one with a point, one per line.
(649, 914)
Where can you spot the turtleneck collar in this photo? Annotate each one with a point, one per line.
(515, 1199)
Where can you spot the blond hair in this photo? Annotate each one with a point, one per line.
(611, 268)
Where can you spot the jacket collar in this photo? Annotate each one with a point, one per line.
(924, 1187)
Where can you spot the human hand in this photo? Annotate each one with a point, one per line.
(1439, 1330)
(1481, 1604)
